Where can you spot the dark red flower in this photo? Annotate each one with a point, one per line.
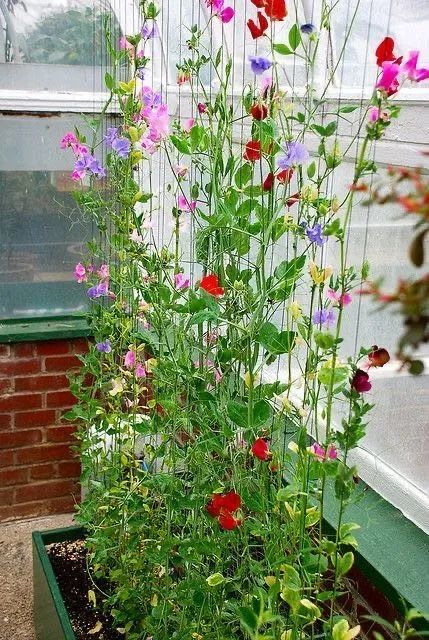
(258, 30)
(268, 182)
(259, 111)
(227, 521)
(378, 357)
(275, 9)
(210, 284)
(253, 151)
(258, 3)
(360, 381)
(384, 51)
(293, 200)
(285, 176)
(261, 449)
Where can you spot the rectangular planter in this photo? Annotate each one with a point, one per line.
(51, 620)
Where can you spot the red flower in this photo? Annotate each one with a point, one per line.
(293, 200)
(268, 182)
(360, 381)
(253, 151)
(227, 521)
(384, 51)
(255, 30)
(378, 357)
(285, 176)
(210, 284)
(275, 9)
(258, 3)
(222, 506)
(259, 111)
(260, 449)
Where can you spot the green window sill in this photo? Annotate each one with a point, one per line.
(393, 552)
(38, 329)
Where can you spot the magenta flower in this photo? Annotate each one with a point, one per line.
(202, 108)
(360, 381)
(67, 140)
(140, 370)
(410, 68)
(259, 64)
(181, 281)
(80, 273)
(100, 290)
(130, 359)
(296, 154)
(104, 347)
(324, 317)
(183, 204)
(388, 80)
(320, 452)
(225, 14)
(342, 299)
(158, 122)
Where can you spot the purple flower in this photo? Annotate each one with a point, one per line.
(150, 98)
(104, 347)
(324, 317)
(111, 135)
(122, 146)
(149, 30)
(259, 64)
(98, 291)
(314, 234)
(141, 72)
(308, 28)
(296, 154)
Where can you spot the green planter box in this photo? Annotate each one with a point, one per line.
(51, 620)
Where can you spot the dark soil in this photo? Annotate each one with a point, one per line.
(68, 561)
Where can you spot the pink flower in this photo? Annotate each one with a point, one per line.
(217, 6)
(67, 140)
(80, 273)
(183, 204)
(189, 124)
(181, 171)
(182, 77)
(78, 175)
(181, 281)
(130, 360)
(388, 80)
(140, 371)
(341, 299)
(375, 114)
(103, 272)
(410, 68)
(158, 121)
(330, 453)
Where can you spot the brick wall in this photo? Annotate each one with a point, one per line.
(38, 470)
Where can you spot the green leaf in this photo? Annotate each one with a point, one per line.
(180, 144)
(215, 579)
(275, 341)
(248, 618)
(238, 413)
(311, 170)
(345, 563)
(206, 315)
(294, 37)
(282, 49)
(347, 109)
(109, 82)
(262, 412)
(324, 340)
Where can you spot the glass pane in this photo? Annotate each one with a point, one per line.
(42, 231)
(53, 44)
(406, 21)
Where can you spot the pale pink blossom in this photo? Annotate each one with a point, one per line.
(103, 272)
(183, 204)
(80, 273)
(140, 371)
(320, 452)
(130, 359)
(181, 171)
(188, 124)
(136, 237)
(342, 299)
(181, 281)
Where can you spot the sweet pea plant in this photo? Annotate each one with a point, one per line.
(207, 476)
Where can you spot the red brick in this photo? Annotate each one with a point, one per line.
(14, 439)
(24, 350)
(6, 513)
(19, 367)
(61, 363)
(44, 490)
(13, 476)
(43, 471)
(69, 469)
(5, 421)
(63, 433)
(6, 496)
(21, 402)
(53, 348)
(79, 346)
(41, 383)
(63, 504)
(60, 399)
(29, 419)
(6, 385)
(4, 350)
(44, 453)
(6, 459)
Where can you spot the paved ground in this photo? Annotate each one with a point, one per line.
(16, 581)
